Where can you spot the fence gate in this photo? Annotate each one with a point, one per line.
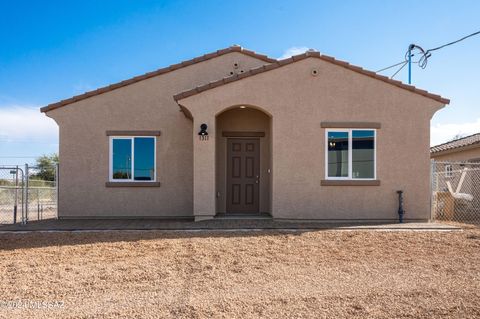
(11, 195)
(456, 192)
(28, 193)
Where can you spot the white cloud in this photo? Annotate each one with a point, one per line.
(292, 51)
(25, 124)
(441, 133)
(82, 87)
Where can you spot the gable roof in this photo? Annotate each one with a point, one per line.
(470, 140)
(295, 58)
(173, 67)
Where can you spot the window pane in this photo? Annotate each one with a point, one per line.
(448, 171)
(121, 159)
(338, 154)
(144, 159)
(363, 154)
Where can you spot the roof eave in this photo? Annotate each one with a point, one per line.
(308, 54)
(454, 149)
(173, 67)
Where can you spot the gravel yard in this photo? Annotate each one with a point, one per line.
(320, 274)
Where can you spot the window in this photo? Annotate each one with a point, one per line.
(448, 170)
(132, 158)
(350, 154)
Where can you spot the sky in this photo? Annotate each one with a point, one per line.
(52, 50)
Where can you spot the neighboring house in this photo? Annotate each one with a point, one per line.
(308, 137)
(465, 149)
(457, 163)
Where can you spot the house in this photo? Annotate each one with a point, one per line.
(465, 149)
(455, 178)
(235, 132)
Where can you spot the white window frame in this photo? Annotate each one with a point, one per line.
(448, 170)
(132, 139)
(349, 131)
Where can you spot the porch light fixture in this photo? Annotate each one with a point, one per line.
(243, 107)
(203, 134)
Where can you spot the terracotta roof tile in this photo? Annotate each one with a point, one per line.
(170, 68)
(315, 54)
(461, 142)
(285, 61)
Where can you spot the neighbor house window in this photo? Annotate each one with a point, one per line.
(448, 170)
(132, 158)
(350, 154)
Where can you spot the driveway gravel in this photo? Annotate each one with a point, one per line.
(251, 274)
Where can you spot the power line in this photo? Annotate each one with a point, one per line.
(422, 62)
(394, 65)
(456, 41)
(424, 55)
(389, 67)
(404, 63)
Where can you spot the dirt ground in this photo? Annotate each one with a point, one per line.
(321, 274)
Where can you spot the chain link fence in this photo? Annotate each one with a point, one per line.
(11, 195)
(27, 194)
(456, 192)
(41, 194)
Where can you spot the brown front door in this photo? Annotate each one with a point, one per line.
(243, 172)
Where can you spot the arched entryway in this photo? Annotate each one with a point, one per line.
(243, 161)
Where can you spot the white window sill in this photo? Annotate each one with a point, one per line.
(350, 182)
(132, 184)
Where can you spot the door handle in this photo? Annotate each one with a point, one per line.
(257, 179)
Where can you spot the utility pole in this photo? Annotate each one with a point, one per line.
(410, 47)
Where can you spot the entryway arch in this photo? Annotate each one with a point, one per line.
(243, 160)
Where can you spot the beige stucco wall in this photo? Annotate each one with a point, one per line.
(243, 120)
(145, 105)
(459, 155)
(298, 102)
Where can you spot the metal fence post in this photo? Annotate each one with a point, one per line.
(57, 175)
(38, 204)
(22, 193)
(432, 175)
(26, 178)
(15, 207)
